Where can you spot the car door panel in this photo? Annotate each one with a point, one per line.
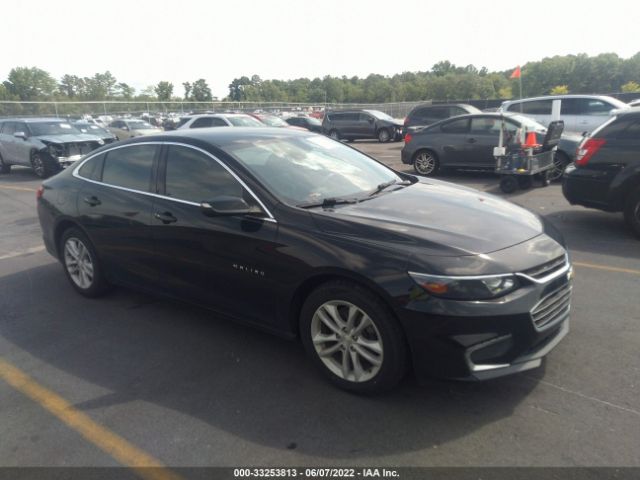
(218, 261)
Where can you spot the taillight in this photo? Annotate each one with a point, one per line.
(587, 149)
(39, 192)
(408, 138)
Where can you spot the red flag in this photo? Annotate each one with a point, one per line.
(516, 73)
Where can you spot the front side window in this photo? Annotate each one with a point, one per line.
(202, 123)
(193, 176)
(130, 167)
(9, 128)
(307, 169)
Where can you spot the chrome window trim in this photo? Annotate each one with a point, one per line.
(76, 174)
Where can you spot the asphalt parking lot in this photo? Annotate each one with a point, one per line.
(132, 378)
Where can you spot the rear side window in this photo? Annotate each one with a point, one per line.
(202, 123)
(632, 132)
(193, 176)
(92, 168)
(536, 107)
(129, 167)
(456, 126)
(585, 106)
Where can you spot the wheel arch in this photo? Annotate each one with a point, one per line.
(62, 226)
(321, 277)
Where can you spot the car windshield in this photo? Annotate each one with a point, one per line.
(305, 170)
(273, 121)
(245, 121)
(52, 128)
(380, 115)
(92, 129)
(138, 125)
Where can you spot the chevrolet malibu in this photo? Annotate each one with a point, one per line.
(373, 270)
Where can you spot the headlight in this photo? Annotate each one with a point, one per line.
(466, 288)
(56, 150)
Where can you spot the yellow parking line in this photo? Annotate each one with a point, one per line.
(607, 268)
(22, 189)
(117, 447)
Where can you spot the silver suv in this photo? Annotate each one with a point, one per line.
(580, 113)
(47, 144)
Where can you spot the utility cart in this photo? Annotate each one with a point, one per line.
(518, 164)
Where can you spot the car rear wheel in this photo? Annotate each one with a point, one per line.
(632, 212)
(81, 264)
(334, 134)
(353, 338)
(560, 162)
(426, 163)
(383, 135)
(4, 167)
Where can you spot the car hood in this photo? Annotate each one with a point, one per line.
(147, 131)
(69, 138)
(437, 218)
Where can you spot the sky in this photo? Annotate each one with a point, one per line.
(142, 42)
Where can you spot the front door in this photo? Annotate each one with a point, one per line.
(224, 262)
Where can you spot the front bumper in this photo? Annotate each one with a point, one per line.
(64, 162)
(487, 339)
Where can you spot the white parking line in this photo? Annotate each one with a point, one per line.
(22, 252)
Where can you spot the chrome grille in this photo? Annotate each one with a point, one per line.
(553, 307)
(548, 268)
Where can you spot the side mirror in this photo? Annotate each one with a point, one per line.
(21, 135)
(124, 127)
(370, 120)
(226, 205)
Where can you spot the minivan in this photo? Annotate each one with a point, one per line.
(580, 113)
(357, 124)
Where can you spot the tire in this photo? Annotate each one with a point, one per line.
(508, 184)
(426, 163)
(334, 134)
(81, 264)
(4, 167)
(374, 346)
(42, 165)
(525, 182)
(560, 162)
(383, 135)
(632, 212)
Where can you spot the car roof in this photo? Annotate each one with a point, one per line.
(568, 95)
(221, 136)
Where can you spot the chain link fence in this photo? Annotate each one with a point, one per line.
(119, 108)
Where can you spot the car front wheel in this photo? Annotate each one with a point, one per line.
(334, 134)
(383, 135)
(4, 167)
(353, 338)
(81, 264)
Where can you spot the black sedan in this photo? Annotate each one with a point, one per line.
(298, 234)
(311, 124)
(467, 141)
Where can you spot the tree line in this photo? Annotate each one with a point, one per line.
(604, 73)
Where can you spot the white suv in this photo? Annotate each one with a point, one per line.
(580, 113)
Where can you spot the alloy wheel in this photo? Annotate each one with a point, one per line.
(383, 136)
(425, 163)
(38, 165)
(559, 164)
(78, 262)
(347, 341)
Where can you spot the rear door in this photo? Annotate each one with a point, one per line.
(452, 141)
(7, 147)
(223, 262)
(365, 125)
(592, 113)
(115, 210)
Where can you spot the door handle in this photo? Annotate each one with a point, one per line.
(165, 217)
(92, 200)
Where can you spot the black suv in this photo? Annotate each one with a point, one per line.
(606, 171)
(427, 114)
(356, 124)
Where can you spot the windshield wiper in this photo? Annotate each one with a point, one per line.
(328, 202)
(388, 184)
